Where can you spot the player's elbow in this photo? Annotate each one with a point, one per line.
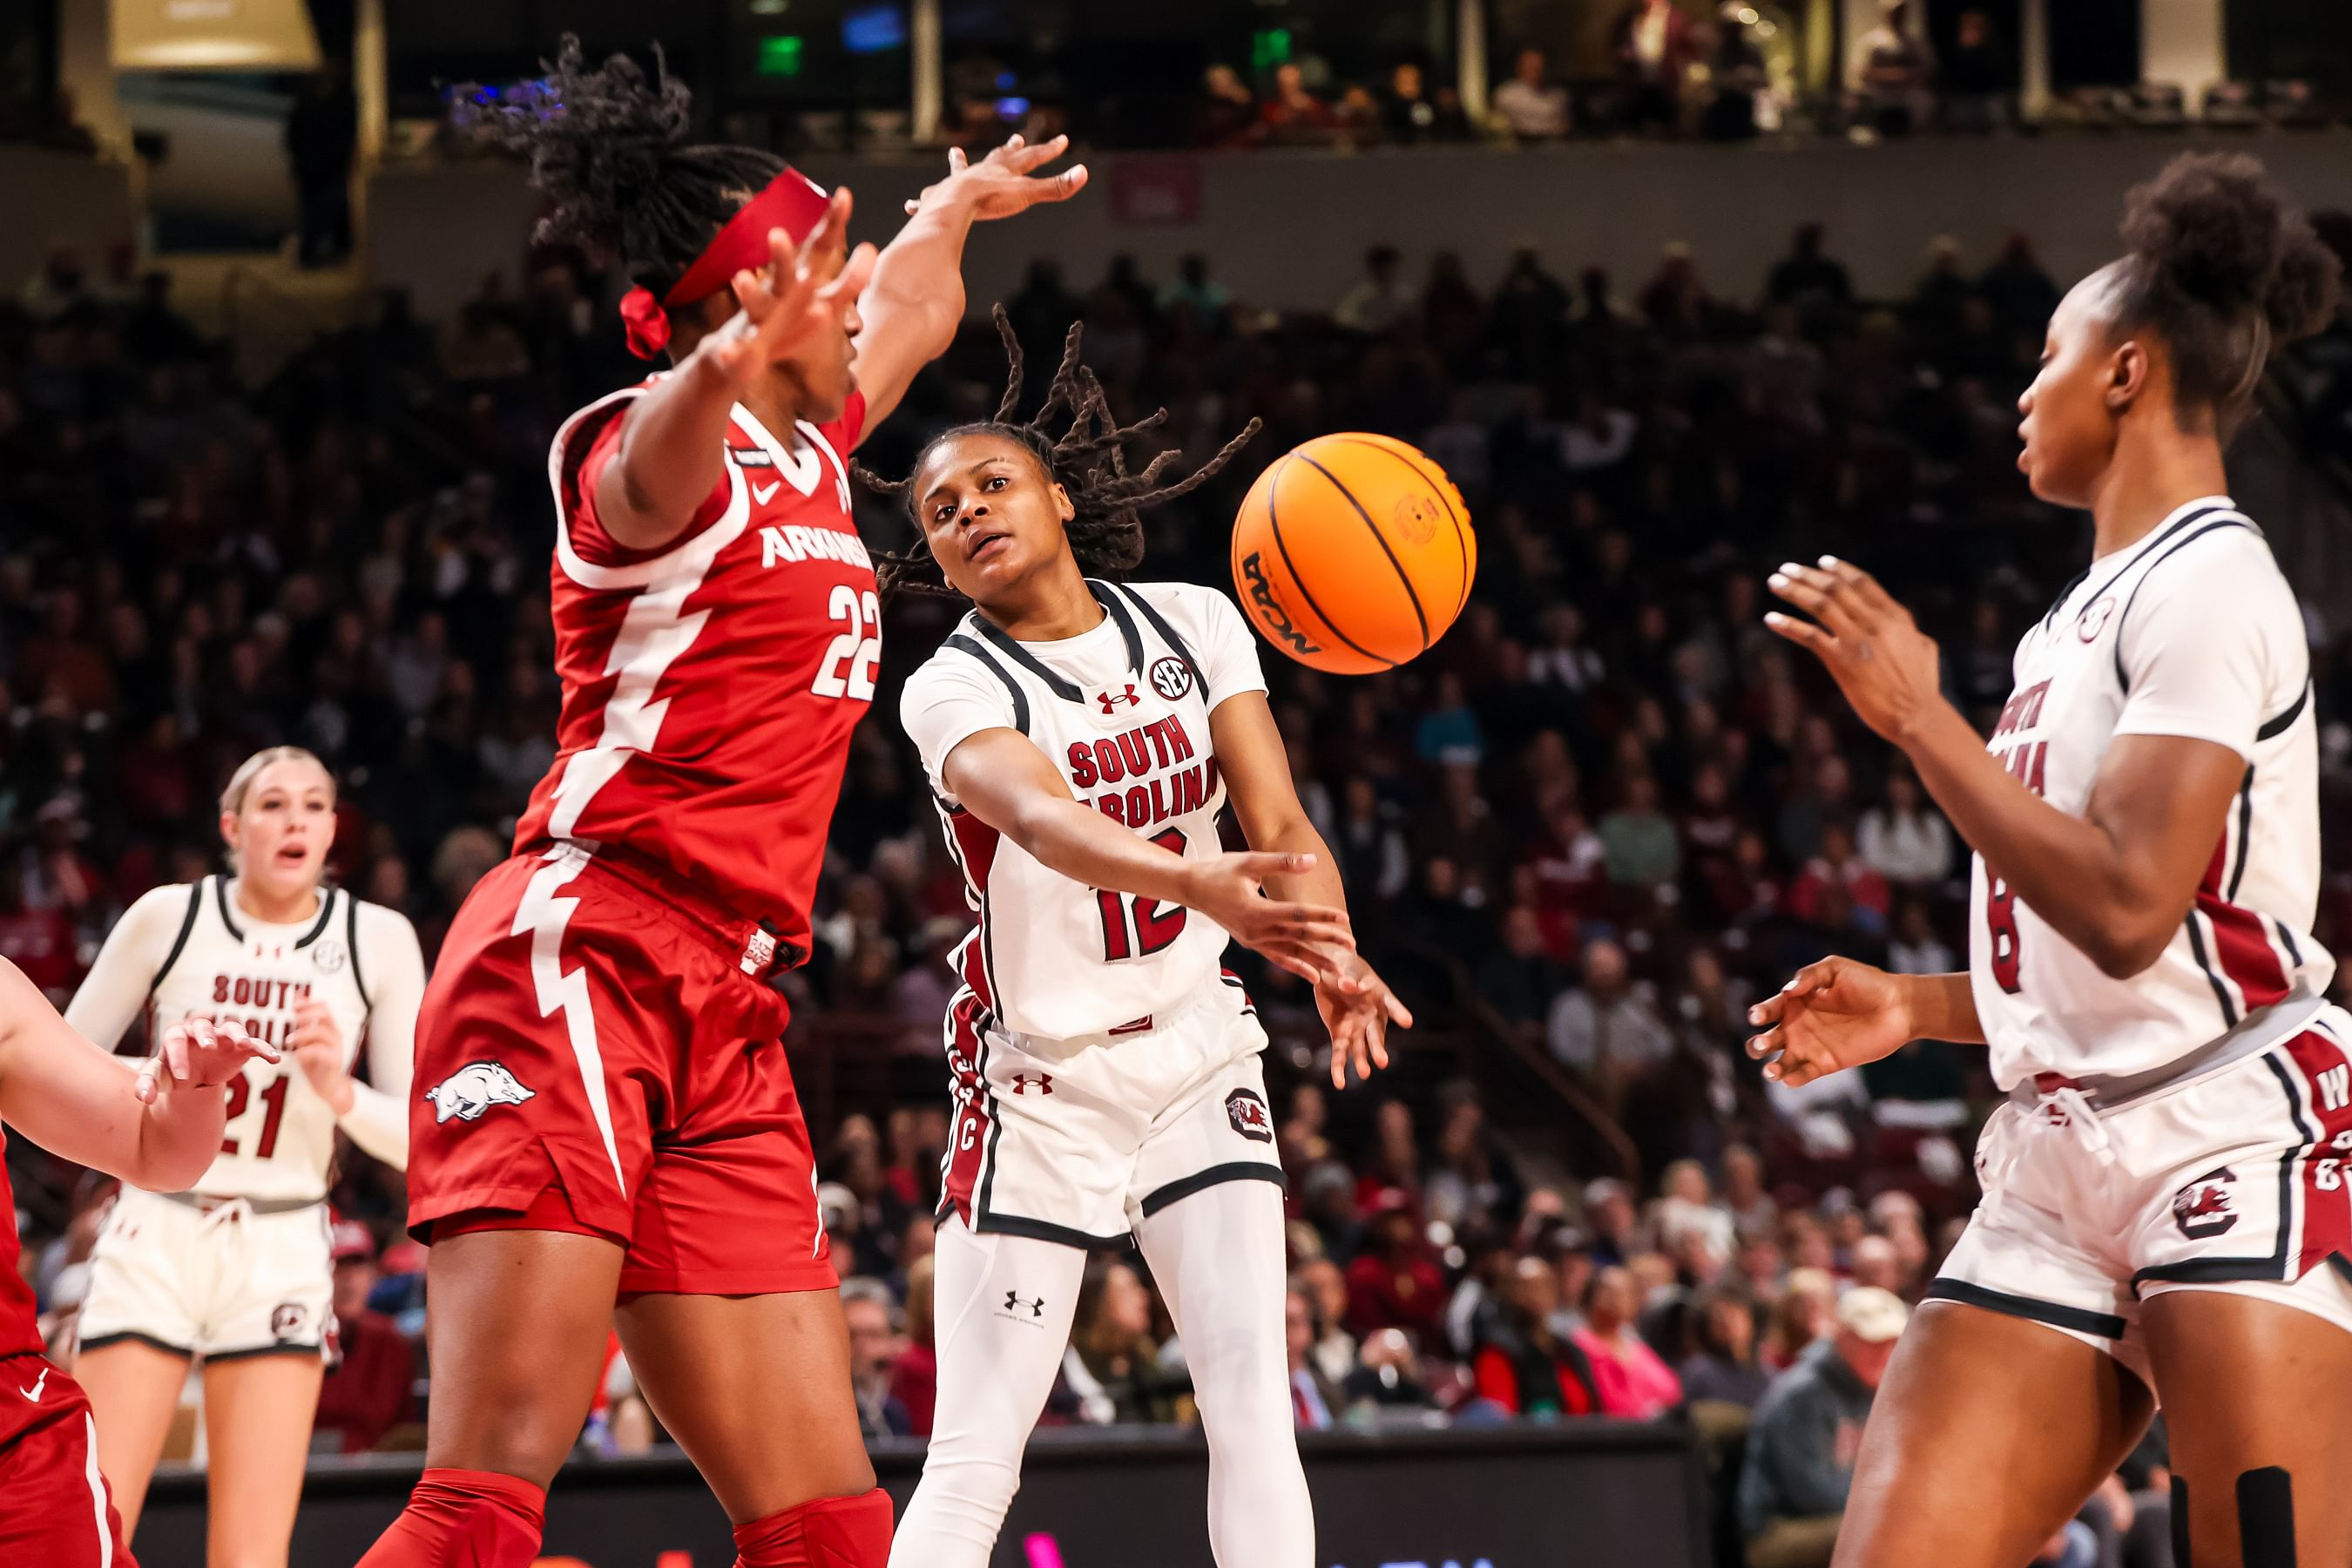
(2123, 948)
(169, 1170)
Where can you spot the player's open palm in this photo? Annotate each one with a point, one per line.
(1358, 1009)
(1006, 181)
(1832, 1014)
(805, 292)
(1311, 941)
(198, 1053)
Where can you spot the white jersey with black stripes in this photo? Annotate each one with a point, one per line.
(2193, 632)
(1122, 712)
(189, 951)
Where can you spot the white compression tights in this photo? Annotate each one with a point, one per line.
(1003, 1309)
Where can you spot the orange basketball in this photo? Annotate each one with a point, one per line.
(1353, 554)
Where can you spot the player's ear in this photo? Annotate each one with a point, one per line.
(2128, 372)
(1063, 507)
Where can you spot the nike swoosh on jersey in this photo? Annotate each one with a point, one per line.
(761, 495)
(33, 1393)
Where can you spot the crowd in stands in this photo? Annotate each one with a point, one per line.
(1580, 833)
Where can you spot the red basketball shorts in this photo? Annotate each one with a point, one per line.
(594, 1057)
(55, 1509)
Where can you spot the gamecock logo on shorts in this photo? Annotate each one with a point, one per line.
(474, 1089)
(1249, 1116)
(289, 1319)
(2207, 1206)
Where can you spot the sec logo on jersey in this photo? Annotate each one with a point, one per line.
(1170, 677)
(328, 955)
(2094, 617)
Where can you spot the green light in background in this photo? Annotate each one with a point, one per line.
(1269, 47)
(780, 56)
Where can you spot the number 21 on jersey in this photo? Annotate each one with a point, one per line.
(2025, 764)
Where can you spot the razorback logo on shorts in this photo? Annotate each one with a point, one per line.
(2207, 1206)
(474, 1089)
(1249, 1116)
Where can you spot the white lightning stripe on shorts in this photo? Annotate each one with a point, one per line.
(544, 916)
(96, 1489)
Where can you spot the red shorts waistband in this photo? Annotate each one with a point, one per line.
(749, 946)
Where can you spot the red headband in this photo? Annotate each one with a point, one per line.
(791, 202)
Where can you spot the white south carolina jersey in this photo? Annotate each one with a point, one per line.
(187, 950)
(1123, 712)
(2192, 632)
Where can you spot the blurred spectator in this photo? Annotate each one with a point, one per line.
(1724, 1368)
(1626, 1373)
(1977, 76)
(1906, 839)
(1640, 843)
(1655, 46)
(371, 1388)
(1393, 1283)
(1894, 66)
(1607, 1028)
(1808, 1432)
(1839, 870)
(870, 1310)
(1389, 1377)
(1379, 302)
(1520, 978)
(1522, 1366)
(321, 132)
(1292, 115)
(915, 1376)
(1808, 278)
(1314, 1398)
(1229, 113)
(1195, 290)
(1412, 114)
(1530, 105)
(1112, 1365)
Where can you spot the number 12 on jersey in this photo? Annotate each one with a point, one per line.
(1131, 930)
(2025, 764)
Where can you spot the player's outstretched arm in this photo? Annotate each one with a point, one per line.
(1357, 1005)
(157, 1127)
(1838, 1013)
(674, 435)
(1003, 778)
(916, 301)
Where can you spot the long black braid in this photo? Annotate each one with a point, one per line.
(1088, 460)
(607, 147)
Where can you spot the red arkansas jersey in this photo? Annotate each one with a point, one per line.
(709, 689)
(20, 1314)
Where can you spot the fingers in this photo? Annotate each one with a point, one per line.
(1863, 587)
(1258, 865)
(1035, 156)
(1061, 187)
(957, 162)
(1804, 634)
(177, 1041)
(1820, 596)
(142, 1088)
(1394, 1006)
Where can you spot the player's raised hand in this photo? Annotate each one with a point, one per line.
(1832, 1014)
(318, 1045)
(805, 290)
(198, 1053)
(1881, 659)
(1358, 1009)
(1311, 941)
(1006, 181)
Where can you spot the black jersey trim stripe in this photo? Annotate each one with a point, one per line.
(1126, 627)
(2279, 1264)
(2220, 991)
(983, 1188)
(2064, 594)
(132, 1336)
(1381, 540)
(326, 913)
(1274, 526)
(962, 643)
(220, 897)
(2274, 728)
(1461, 535)
(2082, 1320)
(1021, 655)
(2141, 554)
(1045, 1230)
(291, 1347)
(1176, 644)
(1215, 1175)
(187, 926)
(2245, 832)
(2287, 940)
(351, 941)
(2227, 519)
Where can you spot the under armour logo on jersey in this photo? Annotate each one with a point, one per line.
(474, 1089)
(1014, 1302)
(1023, 1082)
(1111, 702)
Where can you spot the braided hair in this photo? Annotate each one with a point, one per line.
(607, 148)
(1088, 460)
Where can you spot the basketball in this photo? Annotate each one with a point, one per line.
(1353, 554)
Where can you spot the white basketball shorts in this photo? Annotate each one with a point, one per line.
(2236, 1179)
(217, 1282)
(1074, 1141)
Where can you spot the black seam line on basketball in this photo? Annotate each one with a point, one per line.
(180, 943)
(1045, 1230)
(2274, 728)
(1381, 540)
(2221, 992)
(132, 1336)
(1274, 526)
(1177, 645)
(1013, 649)
(311, 1349)
(325, 912)
(220, 896)
(962, 643)
(2245, 831)
(1461, 541)
(2216, 526)
(1126, 627)
(351, 941)
(2083, 1320)
(1215, 1175)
